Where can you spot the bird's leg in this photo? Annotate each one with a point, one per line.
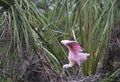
(80, 73)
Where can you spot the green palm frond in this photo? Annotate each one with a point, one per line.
(28, 29)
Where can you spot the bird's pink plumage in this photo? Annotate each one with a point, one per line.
(75, 53)
(73, 46)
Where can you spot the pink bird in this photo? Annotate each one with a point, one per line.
(76, 56)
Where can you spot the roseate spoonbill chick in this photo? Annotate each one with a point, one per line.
(76, 56)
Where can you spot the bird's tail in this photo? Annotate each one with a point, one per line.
(87, 54)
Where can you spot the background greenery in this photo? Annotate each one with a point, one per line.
(29, 28)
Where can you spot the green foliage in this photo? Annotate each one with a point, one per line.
(19, 36)
(113, 76)
(92, 21)
(6, 79)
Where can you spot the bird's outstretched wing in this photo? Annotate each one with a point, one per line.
(75, 46)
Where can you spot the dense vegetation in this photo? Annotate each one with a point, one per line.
(31, 29)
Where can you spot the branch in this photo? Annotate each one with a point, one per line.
(5, 73)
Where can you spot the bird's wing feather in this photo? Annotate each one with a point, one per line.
(75, 46)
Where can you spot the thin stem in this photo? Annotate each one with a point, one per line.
(74, 37)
